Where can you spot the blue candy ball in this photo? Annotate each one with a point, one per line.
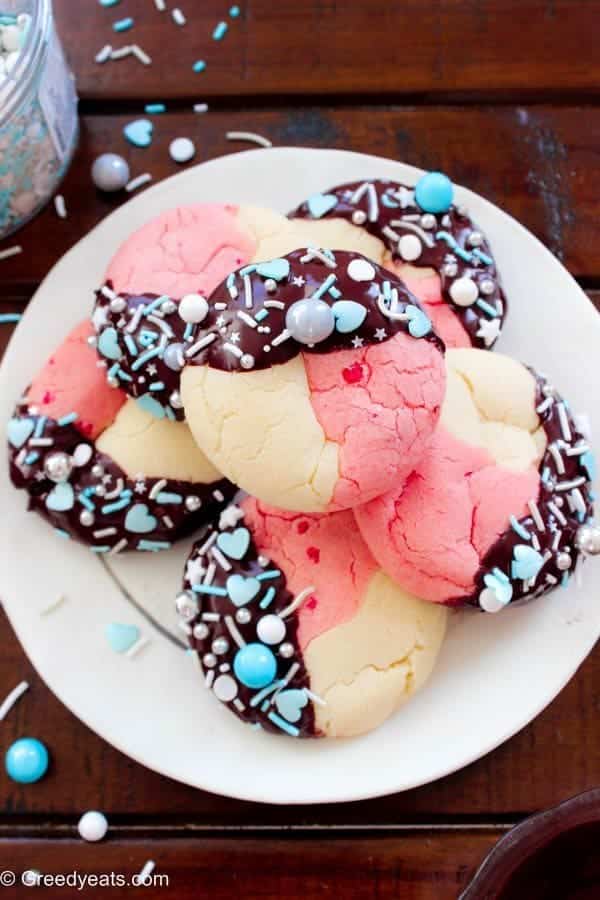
(26, 760)
(434, 192)
(255, 665)
(110, 172)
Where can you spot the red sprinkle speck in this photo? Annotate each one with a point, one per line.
(352, 374)
(302, 527)
(314, 554)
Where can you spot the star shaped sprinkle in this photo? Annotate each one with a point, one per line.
(195, 571)
(106, 479)
(140, 487)
(489, 330)
(151, 369)
(234, 337)
(39, 476)
(230, 517)
(299, 281)
(220, 321)
(357, 343)
(381, 334)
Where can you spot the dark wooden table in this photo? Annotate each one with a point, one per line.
(503, 96)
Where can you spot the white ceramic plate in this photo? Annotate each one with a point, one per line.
(495, 672)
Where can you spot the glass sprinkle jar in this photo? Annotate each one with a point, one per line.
(38, 116)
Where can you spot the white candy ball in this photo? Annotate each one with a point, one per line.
(225, 688)
(11, 38)
(182, 150)
(464, 291)
(270, 629)
(92, 826)
(110, 172)
(409, 247)
(193, 308)
(489, 602)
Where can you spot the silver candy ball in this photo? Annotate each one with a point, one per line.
(172, 356)
(113, 382)
(86, 518)
(97, 470)
(310, 321)
(247, 361)
(175, 400)
(92, 340)
(187, 605)
(243, 616)
(563, 561)
(270, 285)
(201, 631)
(487, 286)
(220, 646)
(117, 305)
(286, 650)
(168, 307)
(192, 503)
(209, 660)
(110, 172)
(100, 490)
(58, 466)
(359, 217)
(587, 539)
(428, 221)
(475, 239)
(450, 270)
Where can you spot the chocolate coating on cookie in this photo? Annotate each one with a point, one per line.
(447, 241)
(265, 313)
(240, 619)
(540, 551)
(86, 496)
(141, 338)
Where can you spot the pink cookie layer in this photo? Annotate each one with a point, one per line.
(432, 536)
(72, 381)
(321, 551)
(380, 404)
(428, 291)
(186, 250)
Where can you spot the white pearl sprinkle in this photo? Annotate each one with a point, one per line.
(182, 149)
(409, 247)
(225, 688)
(92, 826)
(464, 291)
(193, 308)
(270, 629)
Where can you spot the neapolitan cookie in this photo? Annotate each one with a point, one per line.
(314, 380)
(430, 243)
(100, 469)
(500, 507)
(156, 288)
(296, 628)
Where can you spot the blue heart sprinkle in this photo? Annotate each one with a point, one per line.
(140, 520)
(348, 315)
(61, 497)
(527, 562)
(234, 543)
(277, 269)
(108, 344)
(121, 637)
(242, 590)
(320, 204)
(291, 703)
(418, 323)
(139, 132)
(19, 431)
(588, 461)
(150, 405)
(502, 589)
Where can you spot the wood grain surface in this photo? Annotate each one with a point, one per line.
(502, 95)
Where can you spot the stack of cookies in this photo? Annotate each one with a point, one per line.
(314, 397)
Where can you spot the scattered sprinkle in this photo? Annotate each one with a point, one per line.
(10, 318)
(146, 871)
(60, 206)
(123, 24)
(141, 55)
(181, 150)
(154, 109)
(138, 182)
(135, 649)
(109, 2)
(220, 31)
(92, 826)
(200, 107)
(160, 5)
(199, 65)
(53, 606)
(178, 16)
(11, 251)
(249, 136)
(234, 12)
(11, 698)
(122, 52)
(103, 55)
